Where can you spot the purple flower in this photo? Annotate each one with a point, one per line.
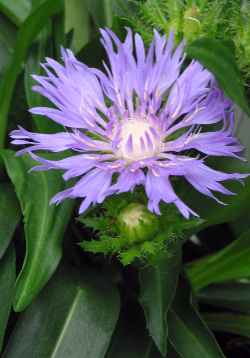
(141, 122)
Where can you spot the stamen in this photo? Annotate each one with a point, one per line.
(154, 132)
(129, 145)
(143, 147)
(149, 141)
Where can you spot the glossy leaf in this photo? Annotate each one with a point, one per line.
(44, 225)
(74, 316)
(230, 263)
(229, 322)
(26, 35)
(9, 216)
(77, 19)
(188, 333)
(7, 282)
(235, 296)
(17, 11)
(218, 57)
(157, 289)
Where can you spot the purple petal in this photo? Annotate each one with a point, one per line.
(159, 188)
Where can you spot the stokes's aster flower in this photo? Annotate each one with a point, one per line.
(134, 124)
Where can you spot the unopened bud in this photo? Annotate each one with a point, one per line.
(136, 223)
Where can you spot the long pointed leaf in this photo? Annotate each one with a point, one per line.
(235, 296)
(44, 225)
(74, 316)
(230, 263)
(187, 331)
(229, 322)
(157, 289)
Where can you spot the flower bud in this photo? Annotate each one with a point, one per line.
(137, 224)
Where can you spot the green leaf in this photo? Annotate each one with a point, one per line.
(235, 296)
(131, 339)
(60, 38)
(74, 316)
(44, 225)
(26, 35)
(77, 19)
(36, 3)
(157, 289)
(102, 12)
(17, 11)
(229, 322)
(9, 216)
(7, 42)
(188, 333)
(230, 263)
(218, 57)
(32, 66)
(7, 282)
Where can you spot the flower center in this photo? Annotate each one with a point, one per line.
(139, 139)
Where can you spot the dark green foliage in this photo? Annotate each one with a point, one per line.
(158, 285)
(73, 317)
(44, 225)
(188, 332)
(229, 264)
(232, 295)
(229, 322)
(26, 35)
(72, 306)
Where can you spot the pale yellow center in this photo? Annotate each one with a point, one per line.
(137, 141)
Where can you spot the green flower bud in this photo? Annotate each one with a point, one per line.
(137, 224)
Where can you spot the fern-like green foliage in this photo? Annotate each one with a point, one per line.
(109, 240)
(192, 19)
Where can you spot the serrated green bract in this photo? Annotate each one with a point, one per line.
(152, 239)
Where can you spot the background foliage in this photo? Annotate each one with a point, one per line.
(58, 300)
